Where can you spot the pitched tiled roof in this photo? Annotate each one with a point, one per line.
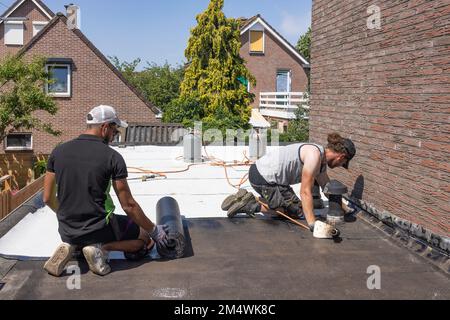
(18, 3)
(63, 18)
(45, 8)
(247, 23)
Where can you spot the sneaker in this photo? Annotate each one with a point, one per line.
(56, 264)
(247, 205)
(230, 200)
(96, 258)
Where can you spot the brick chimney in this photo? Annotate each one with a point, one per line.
(73, 13)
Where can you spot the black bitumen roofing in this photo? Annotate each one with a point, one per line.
(250, 259)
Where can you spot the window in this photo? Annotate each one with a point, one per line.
(14, 33)
(38, 26)
(60, 77)
(19, 141)
(283, 81)
(256, 41)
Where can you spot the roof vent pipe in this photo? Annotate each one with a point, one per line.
(336, 190)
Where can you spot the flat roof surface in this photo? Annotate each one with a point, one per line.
(250, 259)
(241, 258)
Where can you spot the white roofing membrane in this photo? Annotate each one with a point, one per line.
(199, 192)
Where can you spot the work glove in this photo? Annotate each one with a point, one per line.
(349, 209)
(322, 230)
(159, 234)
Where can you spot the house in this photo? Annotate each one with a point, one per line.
(280, 71)
(20, 23)
(383, 80)
(84, 77)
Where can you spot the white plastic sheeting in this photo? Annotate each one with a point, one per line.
(199, 192)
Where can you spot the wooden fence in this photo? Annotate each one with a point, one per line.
(10, 201)
(18, 165)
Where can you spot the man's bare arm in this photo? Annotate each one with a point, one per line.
(130, 206)
(50, 198)
(311, 165)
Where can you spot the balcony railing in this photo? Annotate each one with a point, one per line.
(281, 105)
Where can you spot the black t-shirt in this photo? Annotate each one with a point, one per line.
(84, 168)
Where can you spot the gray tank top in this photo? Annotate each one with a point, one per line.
(284, 166)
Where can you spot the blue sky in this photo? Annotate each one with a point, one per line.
(158, 30)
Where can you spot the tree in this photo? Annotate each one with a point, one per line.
(128, 69)
(298, 129)
(304, 45)
(159, 84)
(21, 94)
(214, 69)
(183, 110)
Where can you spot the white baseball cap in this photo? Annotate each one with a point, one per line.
(104, 114)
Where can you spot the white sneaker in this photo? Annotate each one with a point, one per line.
(56, 264)
(96, 258)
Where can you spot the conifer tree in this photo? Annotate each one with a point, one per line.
(216, 74)
(304, 44)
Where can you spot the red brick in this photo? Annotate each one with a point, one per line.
(264, 67)
(388, 90)
(93, 84)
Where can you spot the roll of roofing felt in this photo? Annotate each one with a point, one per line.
(168, 213)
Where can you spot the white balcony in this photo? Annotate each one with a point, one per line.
(281, 105)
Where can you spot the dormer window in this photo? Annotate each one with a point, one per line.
(38, 26)
(256, 41)
(14, 33)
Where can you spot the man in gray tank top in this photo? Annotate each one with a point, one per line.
(272, 177)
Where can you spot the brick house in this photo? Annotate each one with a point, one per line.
(392, 97)
(84, 76)
(280, 71)
(20, 23)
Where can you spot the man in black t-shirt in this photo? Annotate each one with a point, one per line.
(84, 170)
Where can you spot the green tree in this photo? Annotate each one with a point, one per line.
(298, 129)
(214, 69)
(128, 69)
(160, 84)
(304, 45)
(22, 94)
(183, 110)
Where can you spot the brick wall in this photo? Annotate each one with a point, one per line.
(264, 67)
(389, 90)
(93, 83)
(27, 9)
